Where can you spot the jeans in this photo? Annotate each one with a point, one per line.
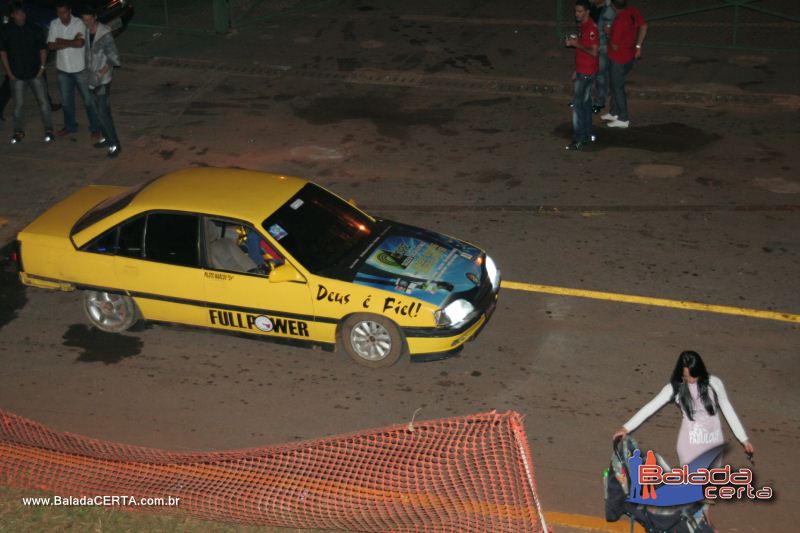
(67, 82)
(619, 100)
(582, 108)
(39, 89)
(102, 103)
(601, 85)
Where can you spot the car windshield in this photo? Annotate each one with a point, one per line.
(318, 228)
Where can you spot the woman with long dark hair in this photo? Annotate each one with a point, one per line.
(700, 398)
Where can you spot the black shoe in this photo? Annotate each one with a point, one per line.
(102, 143)
(113, 151)
(573, 146)
(591, 139)
(49, 136)
(571, 105)
(18, 136)
(596, 108)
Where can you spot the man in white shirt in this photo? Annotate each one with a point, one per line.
(67, 36)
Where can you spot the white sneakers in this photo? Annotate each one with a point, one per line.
(619, 124)
(615, 122)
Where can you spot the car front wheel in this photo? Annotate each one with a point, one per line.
(110, 312)
(372, 340)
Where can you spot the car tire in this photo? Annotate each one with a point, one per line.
(371, 340)
(110, 311)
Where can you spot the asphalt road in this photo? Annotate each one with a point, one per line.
(696, 202)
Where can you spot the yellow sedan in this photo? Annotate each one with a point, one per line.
(269, 255)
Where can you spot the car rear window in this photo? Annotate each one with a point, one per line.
(108, 207)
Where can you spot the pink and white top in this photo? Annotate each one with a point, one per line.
(705, 431)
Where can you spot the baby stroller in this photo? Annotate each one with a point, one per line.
(688, 518)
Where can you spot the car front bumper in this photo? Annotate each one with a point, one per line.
(431, 344)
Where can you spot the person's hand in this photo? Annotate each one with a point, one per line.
(620, 434)
(11, 77)
(638, 53)
(570, 43)
(103, 70)
(40, 73)
(607, 29)
(574, 75)
(748, 447)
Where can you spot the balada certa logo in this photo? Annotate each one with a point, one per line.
(651, 484)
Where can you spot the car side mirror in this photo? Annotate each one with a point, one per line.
(286, 272)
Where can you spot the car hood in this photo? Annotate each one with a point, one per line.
(422, 264)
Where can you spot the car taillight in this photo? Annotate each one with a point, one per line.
(16, 255)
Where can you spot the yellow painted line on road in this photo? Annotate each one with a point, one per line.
(590, 523)
(647, 300)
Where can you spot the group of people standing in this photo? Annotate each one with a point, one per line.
(85, 57)
(607, 43)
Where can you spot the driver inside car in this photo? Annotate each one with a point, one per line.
(259, 250)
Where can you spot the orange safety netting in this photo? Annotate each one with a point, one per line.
(464, 474)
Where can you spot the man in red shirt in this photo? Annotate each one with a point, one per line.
(625, 46)
(586, 44)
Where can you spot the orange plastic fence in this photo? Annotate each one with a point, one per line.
(464, 474)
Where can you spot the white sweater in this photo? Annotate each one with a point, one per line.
(662, 398)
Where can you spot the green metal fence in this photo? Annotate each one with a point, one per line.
(216, 15)
(185, 15)
(766, 25)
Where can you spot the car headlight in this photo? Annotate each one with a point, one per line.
(494, 274)
(454, 314)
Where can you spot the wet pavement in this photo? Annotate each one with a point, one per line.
(699, 200)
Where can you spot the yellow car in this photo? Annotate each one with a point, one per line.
(258, 253)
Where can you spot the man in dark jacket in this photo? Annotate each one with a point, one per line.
(101, 58)
(23, 52)
(5, 87)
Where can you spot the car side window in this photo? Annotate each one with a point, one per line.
(172, 238)
(124, 239)
(237, 247)
(131, 235)
(105, 243)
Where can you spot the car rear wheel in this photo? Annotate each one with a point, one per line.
(110, 312)
(372, 340)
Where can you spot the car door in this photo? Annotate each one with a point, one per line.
(158, 262)
(248, 293)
